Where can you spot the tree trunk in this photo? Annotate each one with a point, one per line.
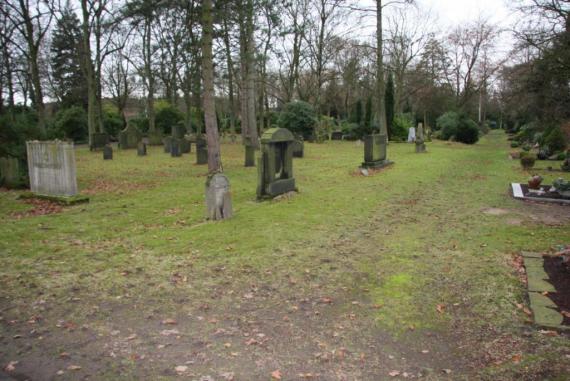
(149, 76)
(250, 64)
(87, 65)
(212, 136)
(380, 85)
(33, 49)
(230, 65)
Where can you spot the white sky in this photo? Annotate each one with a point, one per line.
(451, 12)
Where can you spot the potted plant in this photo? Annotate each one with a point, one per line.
(534, 182)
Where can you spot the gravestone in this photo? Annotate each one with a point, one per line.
(175, 148)
(167, 144)
(420, 143)
(201, 150)
(249, 153)
(411, 135)
(141, 148)
(51, 166)
(178, 131)
(218, 197)
(185, 145)
(275, 166)
(129, 137)
(10, 175)
(107, 152)
(375, 151)
(336, 135)
(298, 148)
(98, 141)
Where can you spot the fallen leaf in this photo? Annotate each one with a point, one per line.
(169, 332)
(276, 374)
(181, 369)
(394, 373)
(440, 308)
(11, 366)
(74, 367)
(169, 322)
(517, 358)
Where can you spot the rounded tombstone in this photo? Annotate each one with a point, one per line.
(218, 197)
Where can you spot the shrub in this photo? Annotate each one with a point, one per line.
(15, 129)
(555, 140)
(447, 124)
(166, 117)
(112, 123)
(515, 144)
(467, 131)
(140, 122)
(400, 126)
(71, 123)
(350, 131)
(298, 117)
(527, 161)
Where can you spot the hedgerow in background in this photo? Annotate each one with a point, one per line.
(298, 117)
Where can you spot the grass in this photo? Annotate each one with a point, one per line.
(405, 240)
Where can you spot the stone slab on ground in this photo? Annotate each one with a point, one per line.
(518, 193)
(537, 277)
(544, 311)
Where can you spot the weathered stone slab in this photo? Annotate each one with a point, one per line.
(298, 148)
(411, 135)
(175, 148)
(167, 144)
(544, 311)
(10, 175)
(275, 172)
(218, 197)
(375, 151)
(108, 152)
(51, 167)
(178, 131)
(185, 145)
(537, 277)
(129, 137)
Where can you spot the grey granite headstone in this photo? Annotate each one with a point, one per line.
(10, 175)
(175, 148)
(129, 137)
(167, 144)
(201, 150)
(218, 197)
(185, 145)
(51, 167)
(298, 148)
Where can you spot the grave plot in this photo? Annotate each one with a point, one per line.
(548, 279)
(544, 193)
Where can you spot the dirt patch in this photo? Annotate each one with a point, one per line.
(559, 275)
(40, 208)
(106, 186)
(547, 214)
(495, 211)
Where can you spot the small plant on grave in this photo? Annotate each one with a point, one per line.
(562, 186)
(528, 160)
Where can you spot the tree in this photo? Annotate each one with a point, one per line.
(389, 95)
(69, 83)
(212, 135)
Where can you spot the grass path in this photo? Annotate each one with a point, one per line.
(406, 273)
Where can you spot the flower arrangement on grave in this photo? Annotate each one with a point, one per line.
(562, 186)
(534, 182)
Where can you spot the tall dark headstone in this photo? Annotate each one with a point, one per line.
(141, 148)
(249, 153)
(298, 148)
(275, 166)
(201, 150)
(185, 146)
(175, 148)
(108, 152)
(375, 151)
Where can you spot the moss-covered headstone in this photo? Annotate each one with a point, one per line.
(298, 148)
(167, 141)
(275, 166)
(175, 148)
(141, 149)
(129, 137)
(185, 145)
(375, 151)
(10, 173)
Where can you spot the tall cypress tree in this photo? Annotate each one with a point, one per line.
(69, 83)
(389, 100)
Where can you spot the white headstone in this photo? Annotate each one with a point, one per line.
(51, 166)
(411, 135)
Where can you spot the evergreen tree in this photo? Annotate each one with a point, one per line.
(69, 84)
(389, 100)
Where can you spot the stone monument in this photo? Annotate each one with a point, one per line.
(411, 135)
(51, 166)
(129, 137)
(98, 141)
(10, 175)
(298, 147)
(167, 141)
(107, 152)
(375, 151)
(175, 148)
(201, 150)
(275, 166)
(218, 197)
(185, 145)
(420, 142)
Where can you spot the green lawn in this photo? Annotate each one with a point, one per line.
(352, 278)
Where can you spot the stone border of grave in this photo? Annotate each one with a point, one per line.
(67, 201)
(518, 193)
(543, 309)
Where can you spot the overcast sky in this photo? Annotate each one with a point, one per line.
(451, 12)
